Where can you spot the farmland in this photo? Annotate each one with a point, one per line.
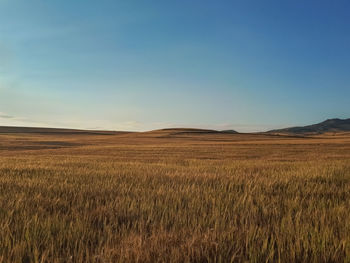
(174, 196)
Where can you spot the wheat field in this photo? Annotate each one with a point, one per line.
(174, 197)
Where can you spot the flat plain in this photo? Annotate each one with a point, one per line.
(174, 195)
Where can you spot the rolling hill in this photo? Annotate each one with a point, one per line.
(39, 130)
(330, 125)
(168, 131)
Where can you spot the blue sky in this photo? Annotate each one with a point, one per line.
(141, 65)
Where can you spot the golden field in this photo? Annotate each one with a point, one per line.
(174, 196)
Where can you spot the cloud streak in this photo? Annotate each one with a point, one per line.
(10, 120)
(6, 116)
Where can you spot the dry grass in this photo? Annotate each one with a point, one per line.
(169, 197)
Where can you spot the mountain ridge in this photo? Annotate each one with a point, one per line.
(329, 125)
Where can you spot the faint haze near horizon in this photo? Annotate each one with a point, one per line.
(121, 65)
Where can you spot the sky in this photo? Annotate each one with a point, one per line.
(147, 64)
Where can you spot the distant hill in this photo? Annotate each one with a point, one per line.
(331, 125)
(186, 130)
(229, 131)
(12, 129)
(171, 132)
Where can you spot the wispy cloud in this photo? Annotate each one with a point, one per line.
(10, 120)
(108, 125)
(6, 116)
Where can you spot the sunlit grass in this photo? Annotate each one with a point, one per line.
(170, 203)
